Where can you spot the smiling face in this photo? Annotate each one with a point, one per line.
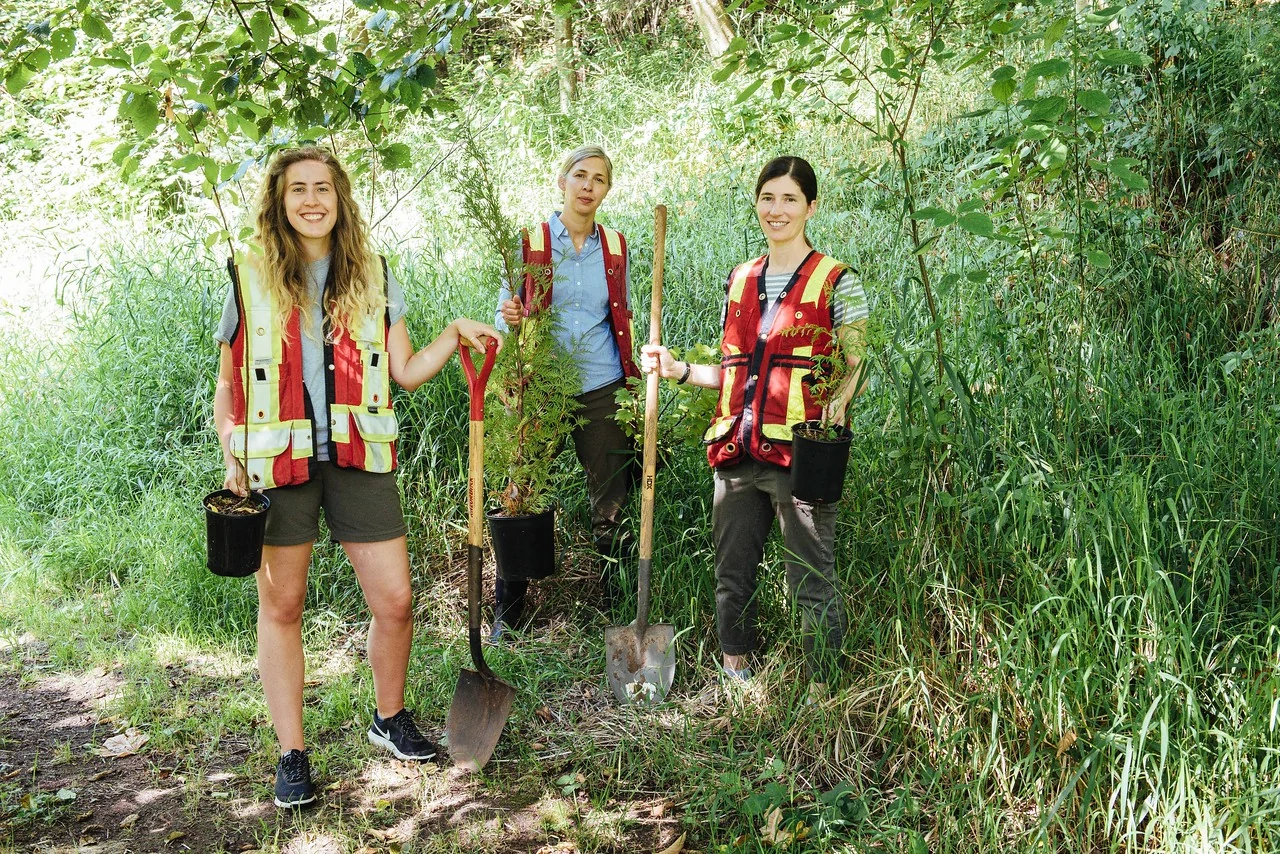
(782, 210)
(585, 186)
(311, 205)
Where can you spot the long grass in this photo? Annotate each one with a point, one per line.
(1062, 584)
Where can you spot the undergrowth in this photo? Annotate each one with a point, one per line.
(1062, 581)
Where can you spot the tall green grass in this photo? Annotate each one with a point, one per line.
(1062, 583)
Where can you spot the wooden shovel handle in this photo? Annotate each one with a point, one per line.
(651, 423)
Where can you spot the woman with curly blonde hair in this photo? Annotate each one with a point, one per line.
(312, 334)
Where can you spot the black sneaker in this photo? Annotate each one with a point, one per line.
(293, 780)
(400, 735)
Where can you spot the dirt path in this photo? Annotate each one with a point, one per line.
(58, 793)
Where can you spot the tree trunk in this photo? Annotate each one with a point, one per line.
(564, 61)
(713, 23)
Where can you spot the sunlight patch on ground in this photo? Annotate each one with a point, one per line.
(172, 649)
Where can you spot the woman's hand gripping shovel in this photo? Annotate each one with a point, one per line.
(639, 659)
(481, 701)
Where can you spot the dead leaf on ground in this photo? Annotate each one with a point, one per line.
(93, 778)
(772, 832)
(175, 836)
(129, 821)
(126, 743)
(675, 847)
(559, 848)
(1067, 741)
(545, 713)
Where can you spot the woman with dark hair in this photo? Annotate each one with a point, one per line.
(780, 311)
(311, 335)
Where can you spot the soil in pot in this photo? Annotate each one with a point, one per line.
(234, 528)
(819, 458)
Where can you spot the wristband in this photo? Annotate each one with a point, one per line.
(684, 378)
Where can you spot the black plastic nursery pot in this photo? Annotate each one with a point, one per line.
(234, 527)
(818, 463)
(524, 546)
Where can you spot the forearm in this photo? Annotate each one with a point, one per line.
(702, 376)
(430, 360)
(223, 420)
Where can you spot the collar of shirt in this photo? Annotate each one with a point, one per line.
(563, 243)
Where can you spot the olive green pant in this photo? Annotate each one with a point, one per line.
(607, 456)
(748, 497)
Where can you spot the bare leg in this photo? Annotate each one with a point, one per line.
(383, 571)
(282, 590)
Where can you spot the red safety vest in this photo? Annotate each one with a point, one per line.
(763, 390)
(267, 386)
(536, 294)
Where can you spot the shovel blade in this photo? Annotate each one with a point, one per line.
(476, 718)
(640, 667)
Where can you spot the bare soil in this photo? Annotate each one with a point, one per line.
(58, 794)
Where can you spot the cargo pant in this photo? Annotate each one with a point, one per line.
(748, 497)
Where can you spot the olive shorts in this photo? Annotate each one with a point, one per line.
(359, 507)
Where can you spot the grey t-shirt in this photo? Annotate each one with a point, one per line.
(312, 346)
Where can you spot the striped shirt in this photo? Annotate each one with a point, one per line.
(848, 299)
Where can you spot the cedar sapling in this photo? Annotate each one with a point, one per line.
(534, 379)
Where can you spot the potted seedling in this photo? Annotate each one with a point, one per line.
(820, 448)
(535, 384)
(235, 525)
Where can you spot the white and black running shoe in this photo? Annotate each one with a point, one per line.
(293, 780)
(400, 735)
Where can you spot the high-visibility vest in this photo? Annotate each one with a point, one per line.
(268, 392)
(539, 277)
(763, 372)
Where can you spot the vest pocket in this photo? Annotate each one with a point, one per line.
(378, 433)
(265, 443)
(381, 427)
(365, 439)
(786, 396)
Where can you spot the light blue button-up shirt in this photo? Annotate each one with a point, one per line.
(580, 298)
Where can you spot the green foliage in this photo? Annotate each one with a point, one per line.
(535, 382)
(207, 94)
(1061, 571)
(684, 411)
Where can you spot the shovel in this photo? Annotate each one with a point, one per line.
(639, 659)
(481, 701)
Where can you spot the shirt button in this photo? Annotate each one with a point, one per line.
(331, 367)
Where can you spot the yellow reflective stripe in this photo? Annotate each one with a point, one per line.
(818, 279)
(538, 239)
(739, 283)
(795, 393)
(263, 347)
(264, 342)
(612, 240)
(776, 432)
(729, 377)
(339, 423)
(377, 457)
(302, 443)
